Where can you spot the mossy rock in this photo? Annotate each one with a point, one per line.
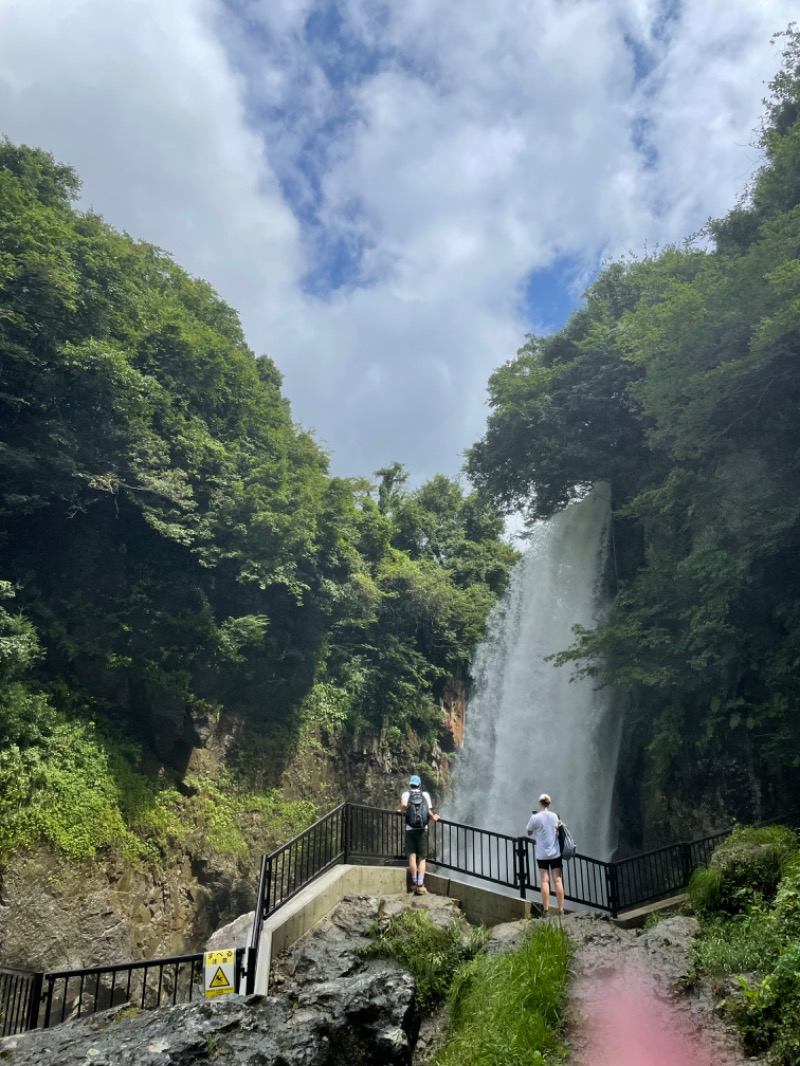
(747, 866)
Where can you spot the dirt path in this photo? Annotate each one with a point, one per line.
(628, 1007)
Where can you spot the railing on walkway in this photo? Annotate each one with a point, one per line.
(377, 835)
(20, 993)
(154, 983)
(31, 1000)
(351, 832)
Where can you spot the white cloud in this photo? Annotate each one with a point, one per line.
(453, 148)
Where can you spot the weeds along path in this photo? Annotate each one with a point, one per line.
(630, 1004)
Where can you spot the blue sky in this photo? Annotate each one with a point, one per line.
(394, 195)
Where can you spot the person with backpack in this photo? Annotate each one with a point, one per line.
(418, 810)
(543, 825)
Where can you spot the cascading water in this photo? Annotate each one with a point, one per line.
(529, 729)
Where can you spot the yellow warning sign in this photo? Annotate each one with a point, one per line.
(219, 980)
(218, 973)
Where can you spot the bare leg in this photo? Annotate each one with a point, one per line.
(421, 869)
(559, 890)
(412, 868)
(545, 875)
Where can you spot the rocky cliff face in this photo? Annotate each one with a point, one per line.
(703, 800)
(59, 915)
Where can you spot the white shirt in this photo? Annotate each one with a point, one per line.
(543, 825)
(404, 801)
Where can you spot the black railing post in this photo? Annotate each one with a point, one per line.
(37, 984)
(267, 887)
(613, 888)
(521, 865)
(686, 858)
(48, 998)
(345, 849)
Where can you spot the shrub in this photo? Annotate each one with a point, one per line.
(750, 863)
(764, 942)
(705, 892)
(768, 1014)
(431, 953)
(787, 902)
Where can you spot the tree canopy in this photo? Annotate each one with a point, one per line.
(173, 545)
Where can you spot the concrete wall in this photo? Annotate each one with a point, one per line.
(481, 906)
(295, 918)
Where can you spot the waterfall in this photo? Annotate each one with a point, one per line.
(528, 728)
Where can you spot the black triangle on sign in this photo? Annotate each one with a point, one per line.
(219, 980)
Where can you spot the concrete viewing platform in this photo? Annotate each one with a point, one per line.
(481, 906)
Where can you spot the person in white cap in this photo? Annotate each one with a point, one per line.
(543, 825)
(416, 805)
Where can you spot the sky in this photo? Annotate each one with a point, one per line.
(393, 195)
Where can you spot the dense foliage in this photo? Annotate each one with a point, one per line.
(174, 548)
(678, 383)
(750, 943)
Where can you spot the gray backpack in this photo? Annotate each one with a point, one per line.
(565, 842)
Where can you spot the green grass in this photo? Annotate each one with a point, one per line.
(745, 944)
(508, 1010)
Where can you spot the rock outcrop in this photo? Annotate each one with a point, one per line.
(363, 1021)
(59, 915)
(330, 1007)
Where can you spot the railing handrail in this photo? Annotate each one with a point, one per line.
(307, 831)
(116, 967)
(333, 851)
(13, 971)
(705, 839)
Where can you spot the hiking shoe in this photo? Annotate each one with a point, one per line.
(421, 890)
(545, 917)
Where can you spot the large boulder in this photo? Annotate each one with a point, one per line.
(367, 1019)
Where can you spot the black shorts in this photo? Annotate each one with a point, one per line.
(417, 843)
(549, 864)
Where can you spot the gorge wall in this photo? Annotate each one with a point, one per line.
(57, 914)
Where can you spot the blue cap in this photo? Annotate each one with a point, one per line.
(415, 780)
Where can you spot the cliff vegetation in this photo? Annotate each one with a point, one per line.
(677, 382)
(188, 598)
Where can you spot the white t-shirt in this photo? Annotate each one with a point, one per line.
(404, 802)
(543, 825)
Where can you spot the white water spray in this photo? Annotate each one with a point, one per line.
(528, 728)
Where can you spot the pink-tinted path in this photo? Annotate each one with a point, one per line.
(626, 1006)
(626, 1022)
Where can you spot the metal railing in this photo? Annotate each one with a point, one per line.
(146, 985)
(374, 834)
(351, 832)
(304, 858)
(20, 994)
(30, 1000)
